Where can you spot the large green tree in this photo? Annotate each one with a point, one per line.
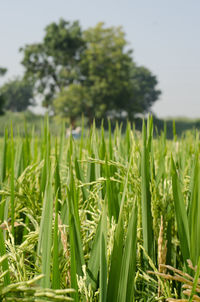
(143, 92)
(17, 95)
(2, 101)
(94, 65)
(54, 63)
(105, 66)
(113, 84)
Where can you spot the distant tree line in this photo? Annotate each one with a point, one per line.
(2, 72)
(75, 71)
(16, 95)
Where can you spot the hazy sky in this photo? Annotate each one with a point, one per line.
(165, 36)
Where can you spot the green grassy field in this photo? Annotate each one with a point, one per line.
(22, 121)
(94, 219)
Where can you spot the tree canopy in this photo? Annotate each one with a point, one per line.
(90, 72)
(2, 71)
(105, 66)
(53, 64)
(17, 95)
(143, 91)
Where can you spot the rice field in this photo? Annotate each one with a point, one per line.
(107, 217)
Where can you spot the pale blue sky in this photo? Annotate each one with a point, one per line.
(165, 36)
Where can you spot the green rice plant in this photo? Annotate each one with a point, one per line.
(4, 261)
(76, 250)
(45, 235)
(145, 188)
(194, 212)
(12, 182)
(181, 214)
(55, 268)
(188, 215)
(103, 257)
(128, 266)
(117, 252)
(86, 213)
(190, 284)
(28, 291)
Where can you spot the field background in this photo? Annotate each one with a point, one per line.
(19, 119)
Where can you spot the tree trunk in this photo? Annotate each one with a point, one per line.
(72, 122)
(90, 117)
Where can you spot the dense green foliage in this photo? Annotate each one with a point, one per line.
(2, 71)
(17, 94)
(90, 72)
(53, 63)
(95, 214)
(2, 101)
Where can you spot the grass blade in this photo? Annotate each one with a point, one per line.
(181, 215)
(146, 196)
(128, 266)
(103, 257)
